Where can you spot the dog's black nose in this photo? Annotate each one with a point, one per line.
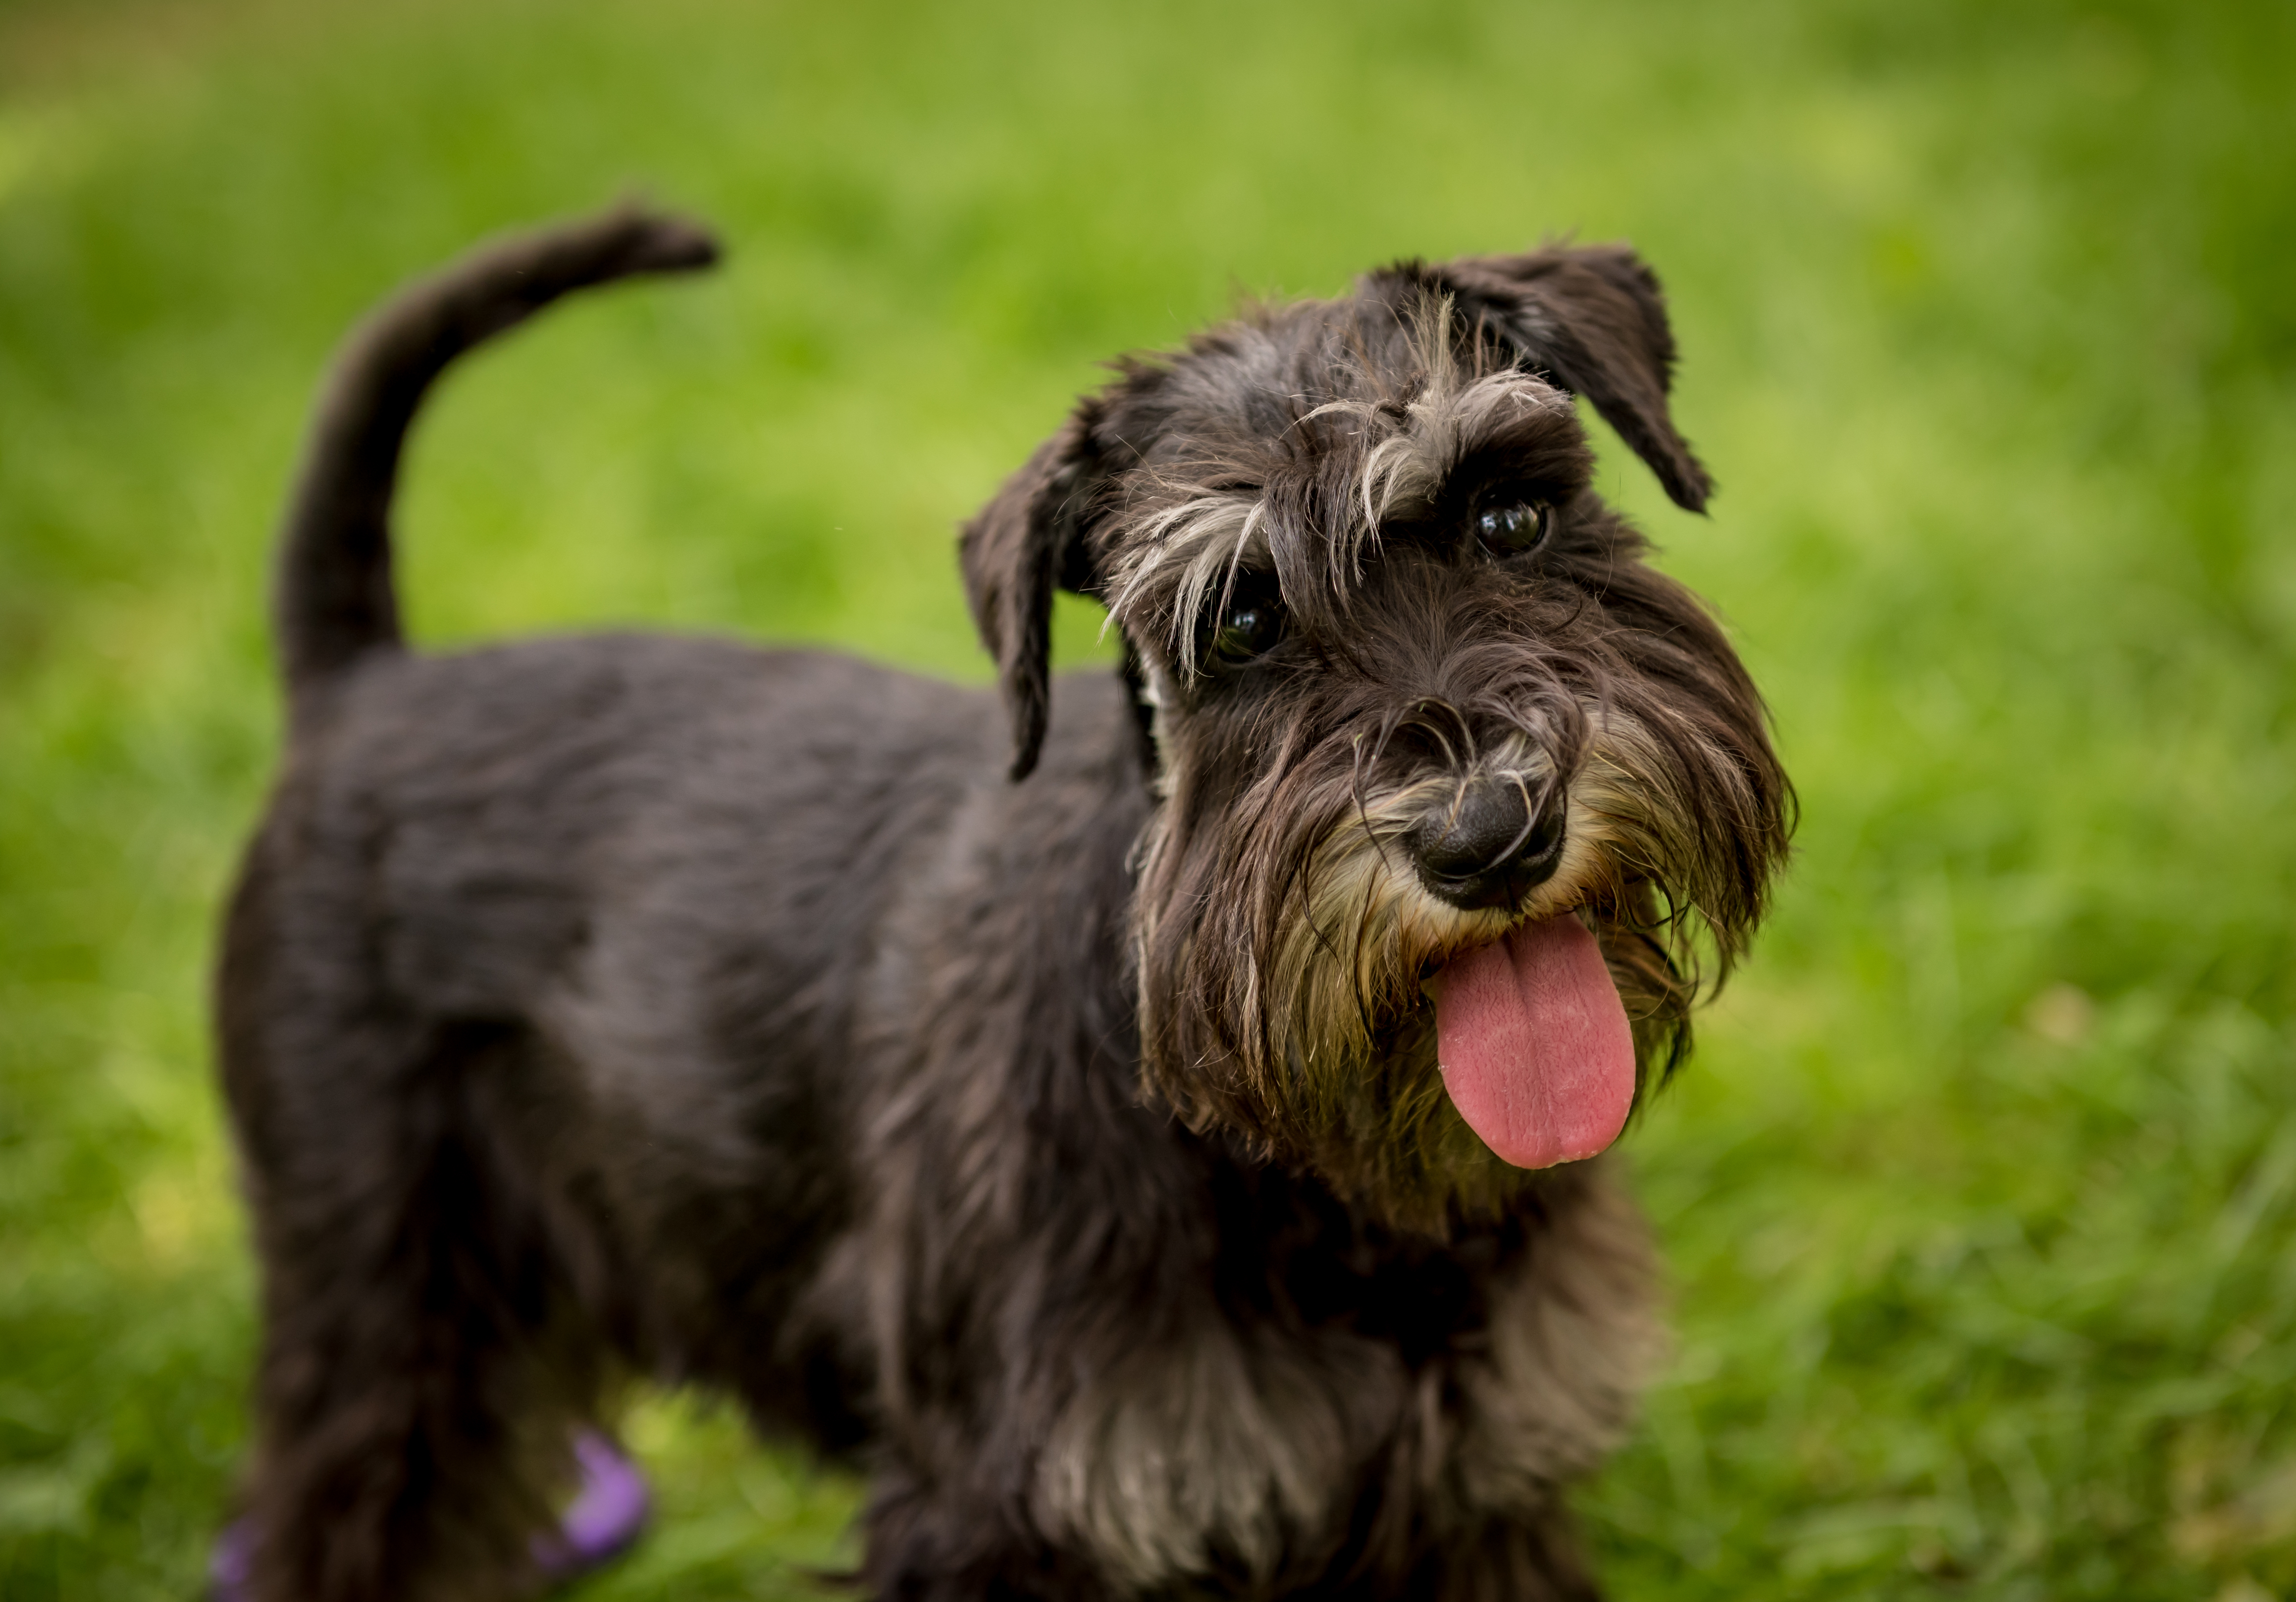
(1492, 848)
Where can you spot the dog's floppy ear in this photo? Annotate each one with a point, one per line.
(1596, 319)
(1021, 547)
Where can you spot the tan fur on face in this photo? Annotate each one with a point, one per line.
(1350, 1030)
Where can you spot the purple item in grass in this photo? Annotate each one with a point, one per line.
(227, 1564)
(607, 1514)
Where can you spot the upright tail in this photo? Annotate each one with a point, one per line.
(335, 601)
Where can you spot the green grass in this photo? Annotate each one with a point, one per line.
(1980, 1197)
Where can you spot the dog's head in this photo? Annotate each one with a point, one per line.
(1458, 798)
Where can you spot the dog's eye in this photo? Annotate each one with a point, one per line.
(1248, 628)
(1511, 529)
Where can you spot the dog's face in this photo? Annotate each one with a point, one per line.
(1424, 720)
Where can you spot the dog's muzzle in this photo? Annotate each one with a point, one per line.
(1496, 842)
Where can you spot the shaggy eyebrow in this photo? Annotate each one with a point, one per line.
(1542, 461)
(1494, 465)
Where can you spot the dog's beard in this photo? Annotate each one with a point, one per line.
(1285, 941)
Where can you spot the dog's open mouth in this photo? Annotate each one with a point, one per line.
(1535, 1047)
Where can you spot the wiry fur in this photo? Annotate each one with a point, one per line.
(1071, 1152)
(1283, 932)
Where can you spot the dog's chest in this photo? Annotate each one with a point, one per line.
(1233, 1444)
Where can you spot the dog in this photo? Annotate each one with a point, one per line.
(1151, 1124)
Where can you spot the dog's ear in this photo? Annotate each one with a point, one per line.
(1020, 548)
(1596, 319)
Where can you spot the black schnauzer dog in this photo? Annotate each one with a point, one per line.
(1152, 1125)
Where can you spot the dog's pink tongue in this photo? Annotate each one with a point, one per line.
(1534, 1043)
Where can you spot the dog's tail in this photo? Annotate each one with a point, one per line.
(335, 602)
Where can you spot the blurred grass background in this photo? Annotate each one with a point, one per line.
(1980, 1199)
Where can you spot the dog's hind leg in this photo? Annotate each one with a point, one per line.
(426, 1351)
